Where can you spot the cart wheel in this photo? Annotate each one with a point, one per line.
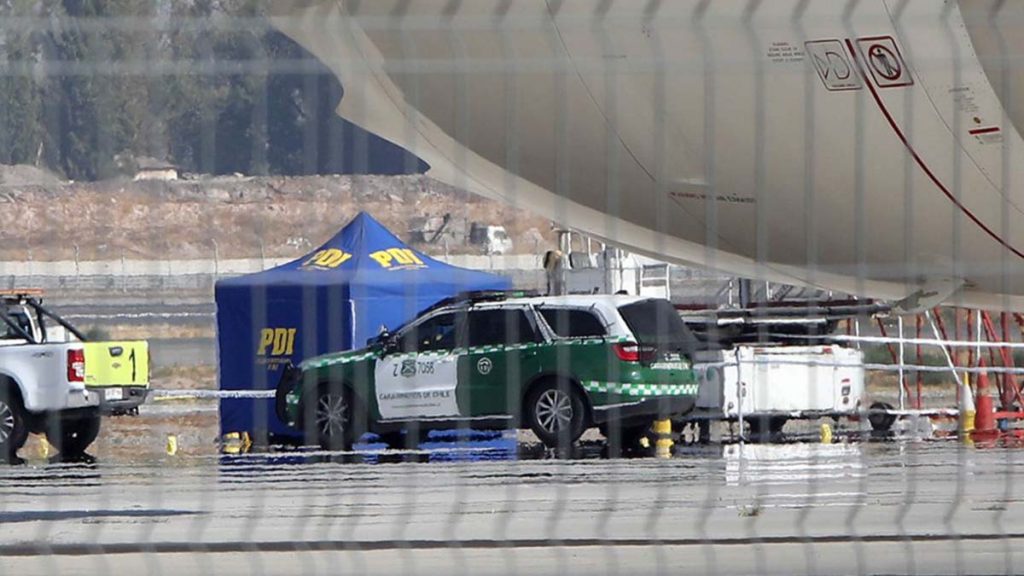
(881, 422)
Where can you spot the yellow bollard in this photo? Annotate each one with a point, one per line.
(826, 433)
(43, 449)
(663, 444)
(172, 445)
(967, 412)
(967, 423)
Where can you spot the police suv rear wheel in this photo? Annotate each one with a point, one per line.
(556, 413)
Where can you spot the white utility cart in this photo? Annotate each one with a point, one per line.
(773, 362)
(766, 386)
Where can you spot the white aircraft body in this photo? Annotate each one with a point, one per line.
(866, 146)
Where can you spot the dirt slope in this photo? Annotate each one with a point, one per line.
(189, 218)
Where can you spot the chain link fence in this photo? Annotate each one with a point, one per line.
(367, 406)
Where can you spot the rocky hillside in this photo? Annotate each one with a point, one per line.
(44, 219)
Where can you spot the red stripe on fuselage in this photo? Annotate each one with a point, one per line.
(920, 161)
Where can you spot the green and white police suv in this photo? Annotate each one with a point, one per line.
(556, 365)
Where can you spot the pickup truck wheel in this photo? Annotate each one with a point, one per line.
(74, 435)
(556, 413)
(13, 426)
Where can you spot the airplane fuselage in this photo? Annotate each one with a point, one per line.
(869, 147)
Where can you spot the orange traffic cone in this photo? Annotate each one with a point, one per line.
(985, 418)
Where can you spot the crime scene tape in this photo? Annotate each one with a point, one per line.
(214, 394)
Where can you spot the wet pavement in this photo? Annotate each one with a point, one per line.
(904, 504)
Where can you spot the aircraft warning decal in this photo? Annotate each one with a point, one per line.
(833, 65)
(988, 135)
(882, 57)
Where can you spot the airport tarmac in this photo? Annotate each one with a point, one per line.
(897, 506)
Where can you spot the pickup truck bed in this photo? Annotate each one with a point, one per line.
(53, 382)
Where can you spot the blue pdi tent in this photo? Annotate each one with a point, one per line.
(335, 298)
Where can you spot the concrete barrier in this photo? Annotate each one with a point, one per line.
(68, 277)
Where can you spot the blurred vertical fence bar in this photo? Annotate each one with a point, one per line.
(862, 151)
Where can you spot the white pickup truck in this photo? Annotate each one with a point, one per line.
(45, 387)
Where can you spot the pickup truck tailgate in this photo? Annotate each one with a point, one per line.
(117, 363)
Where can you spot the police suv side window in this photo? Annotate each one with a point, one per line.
(573, 323)
(437, 333)
(499, 327)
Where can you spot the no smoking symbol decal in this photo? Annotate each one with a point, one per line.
(885, 62)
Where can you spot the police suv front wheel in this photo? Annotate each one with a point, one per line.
(332, 418)
(556, 413)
